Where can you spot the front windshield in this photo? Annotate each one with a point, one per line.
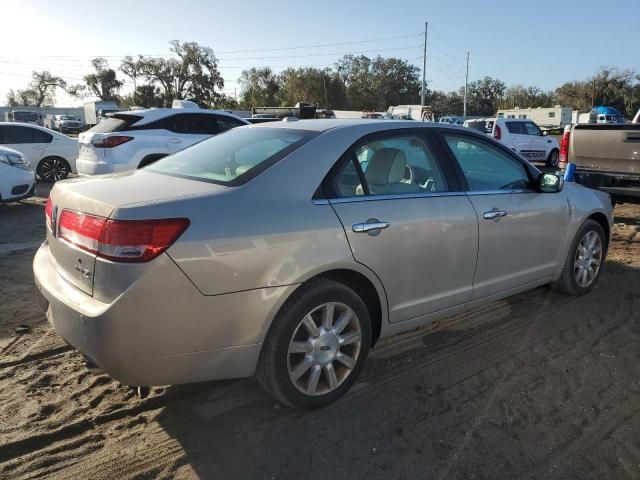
(233, 157)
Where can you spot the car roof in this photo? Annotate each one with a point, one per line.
(153, 114)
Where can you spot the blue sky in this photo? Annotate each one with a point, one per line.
(543, 43)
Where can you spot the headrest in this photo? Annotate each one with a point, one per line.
(388, 165)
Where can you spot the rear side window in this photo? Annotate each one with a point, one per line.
(227, 123)
(41, 137)
(235, 157)
(486, 167)
(115, 123)
(394, 165)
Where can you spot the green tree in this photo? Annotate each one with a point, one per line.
(103, 83)
(193, 74)
(146, 96)
(259, 87)
(311, 85)
(484, 96)
(40, 91)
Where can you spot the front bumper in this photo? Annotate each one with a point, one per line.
(161, 330)
(6, 197)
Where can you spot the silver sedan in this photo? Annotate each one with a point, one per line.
(287, 249)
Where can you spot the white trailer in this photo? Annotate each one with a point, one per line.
(411, 112)
(96, 110)
(554, 117)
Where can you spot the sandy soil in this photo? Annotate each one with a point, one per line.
(537, 386)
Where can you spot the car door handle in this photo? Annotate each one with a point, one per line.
(369, 226)
(174, 140)
(632, 137)
(493, 214)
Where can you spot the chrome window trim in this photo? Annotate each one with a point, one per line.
(371, 198)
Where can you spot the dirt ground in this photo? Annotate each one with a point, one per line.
(537, 386)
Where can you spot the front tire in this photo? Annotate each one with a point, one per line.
(52, 169)
(584, 261)
(316, 346)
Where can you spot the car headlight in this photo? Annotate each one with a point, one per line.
(15, 160)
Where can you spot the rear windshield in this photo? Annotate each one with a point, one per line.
(115, 123)
(234, 157)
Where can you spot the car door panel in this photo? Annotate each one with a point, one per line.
(520, 231)
(425, 258)
(523, 245)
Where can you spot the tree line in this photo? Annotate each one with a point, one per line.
(353, 83)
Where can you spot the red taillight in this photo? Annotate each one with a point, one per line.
(564, 146)
(48, 211)
(120, 240)
(497, 132)
(110, 142)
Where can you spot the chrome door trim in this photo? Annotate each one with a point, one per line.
(369, 226)
(372, 198)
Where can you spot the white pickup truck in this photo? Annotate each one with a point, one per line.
(526, 138)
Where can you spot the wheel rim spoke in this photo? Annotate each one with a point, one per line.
(327, 316)
(331, 376)
(342, 322)
(311, 326)
(300, 347)
(346, 360)
(302, 367)
(314, 378)
(349, 338)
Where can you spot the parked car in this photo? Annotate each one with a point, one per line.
(526, 138)
(63, 123)
(130, 140)
(51, 154)
(607, 157)
(287, 249)
(17, 180)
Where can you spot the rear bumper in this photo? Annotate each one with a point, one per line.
(161, 330)
(621, 186)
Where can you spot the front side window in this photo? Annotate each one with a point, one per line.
(224, 158)
(486, 167)
(390, 166)
(532, 129)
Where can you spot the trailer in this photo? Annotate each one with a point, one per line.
(411, 112)
(97, 110)
(554, 117)
(301, 110)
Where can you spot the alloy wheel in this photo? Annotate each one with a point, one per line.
(588, 259)
(324, 349)
(53, 169)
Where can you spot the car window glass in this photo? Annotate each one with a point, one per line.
(224, 158)
(485, 166)
(41, 137)
(197, 124)
(532, 129)
(227, 123)
(517, 128)
(17, 134)
(391, 166)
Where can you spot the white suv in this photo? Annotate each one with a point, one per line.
(526, 138)
(130, 140)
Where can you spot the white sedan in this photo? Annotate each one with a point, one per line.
(17, 180)
(526, 138)
(51, 154)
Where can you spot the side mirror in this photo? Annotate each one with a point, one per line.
(544, 133)
(550, 183)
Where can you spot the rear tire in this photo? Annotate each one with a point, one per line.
(316, 346)
(553, 160)
(52, 169)
(584, 262)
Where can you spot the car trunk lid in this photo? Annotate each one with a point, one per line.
(101, 197)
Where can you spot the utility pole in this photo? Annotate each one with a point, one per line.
(423, 94)
(466, 84)
(593, 94)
